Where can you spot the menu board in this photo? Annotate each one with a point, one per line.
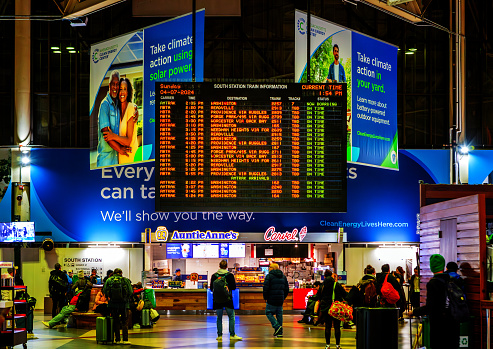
(251, 147)
(236, 250)
(206, 250)
(176, 250)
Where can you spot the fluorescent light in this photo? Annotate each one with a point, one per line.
(409, 53)
(72, 51)
(55, 47)
(413, 49)
(57, 51)
(104, 245)
(70, 48)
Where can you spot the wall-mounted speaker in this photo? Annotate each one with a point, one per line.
(48, 244)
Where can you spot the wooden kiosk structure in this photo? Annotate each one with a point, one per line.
(453, 223)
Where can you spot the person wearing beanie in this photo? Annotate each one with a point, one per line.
(444, 330)
(81, 282)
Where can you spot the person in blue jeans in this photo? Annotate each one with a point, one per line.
(276, 289)
(223, 300)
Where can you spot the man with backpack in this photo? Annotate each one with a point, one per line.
(222, 283)
(58, 285)
(444, 329)
(118, 290)
(367, 287)
(389, 297)
(276, 289)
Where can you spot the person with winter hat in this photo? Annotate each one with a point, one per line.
(444, 330)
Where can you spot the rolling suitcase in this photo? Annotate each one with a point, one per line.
(146, 318)
(104, 330)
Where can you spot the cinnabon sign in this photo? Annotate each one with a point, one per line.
(296, 236)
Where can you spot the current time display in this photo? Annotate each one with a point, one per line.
(251, 147)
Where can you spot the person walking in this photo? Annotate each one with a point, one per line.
(276, 289)
(331, 291)
(118, 289)
(444, 330)
(58, 285)
(222, 283)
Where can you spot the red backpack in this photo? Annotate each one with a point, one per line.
(389, 293)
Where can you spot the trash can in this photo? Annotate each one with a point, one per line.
(425, 331)
(465, 334)
(371, 323)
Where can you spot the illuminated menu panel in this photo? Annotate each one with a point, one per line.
(251, 147)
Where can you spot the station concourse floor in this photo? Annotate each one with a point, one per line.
(199, 331)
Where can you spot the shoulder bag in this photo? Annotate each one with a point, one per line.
(340, 310)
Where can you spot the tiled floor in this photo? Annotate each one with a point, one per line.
(199, 331)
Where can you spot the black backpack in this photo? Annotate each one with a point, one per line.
(118, 291)
(220, 289)
(58, 285)
(84, 298)
(457, 301)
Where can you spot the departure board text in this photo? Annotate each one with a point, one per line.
(251, 147)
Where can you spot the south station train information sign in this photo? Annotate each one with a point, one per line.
(254, 147)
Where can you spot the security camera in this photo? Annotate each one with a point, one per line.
(19, 197)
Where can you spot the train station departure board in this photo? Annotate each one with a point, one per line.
(251, 147)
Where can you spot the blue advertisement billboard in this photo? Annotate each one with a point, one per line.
(168, 57)
(369, 68)
(124, 71)
(117, 203)
(374, 102)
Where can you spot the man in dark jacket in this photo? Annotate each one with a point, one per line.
(380, 279)
(276, 289)
(224, 302)
(58, 288)
(444, 330)
(118, 289)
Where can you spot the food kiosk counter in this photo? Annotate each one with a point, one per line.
(251, 298)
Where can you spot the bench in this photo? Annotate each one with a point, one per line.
(85, 320)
